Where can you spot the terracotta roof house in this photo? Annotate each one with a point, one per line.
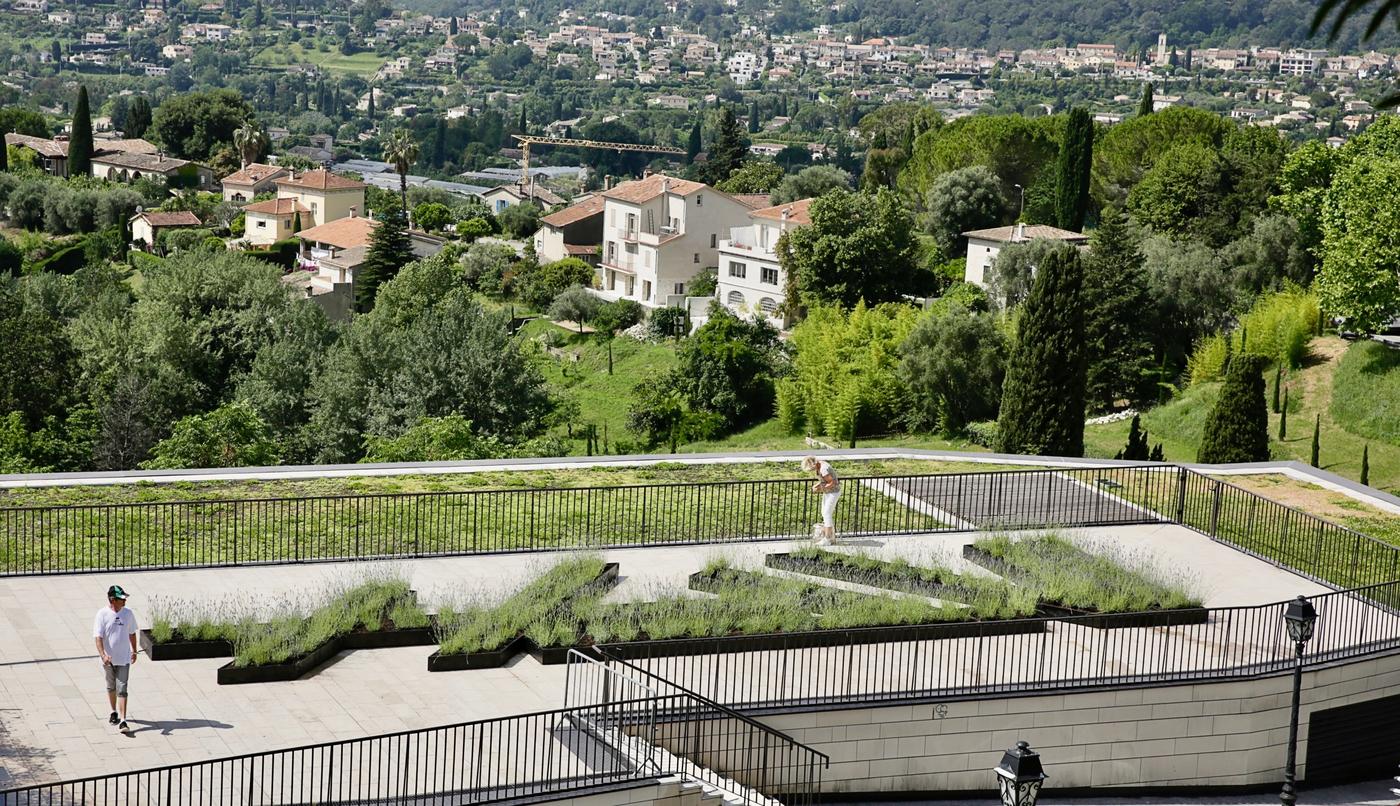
(329, 196)
(50, 155)
(253, 179)
(658, 233)
(124, 166)
(266, 222)
(575, 231)
(147, 226)
(983, 245)
(751, 278)
(499, 198)
(344, 233)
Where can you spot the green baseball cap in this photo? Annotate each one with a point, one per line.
(116, 592)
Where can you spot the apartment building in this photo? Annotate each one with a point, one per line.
(658, 232)
(1301, 62)
(751, 278)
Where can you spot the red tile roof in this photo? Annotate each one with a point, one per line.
(277, 207)
(342, 233)
(644, 190)
(798, 211)
(254, 173)
(320, 180)
(576, 213)
(182, 218)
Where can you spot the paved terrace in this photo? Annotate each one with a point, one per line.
(53, 708)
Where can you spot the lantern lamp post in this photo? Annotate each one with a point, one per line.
(1299, 617)
(1019, 776)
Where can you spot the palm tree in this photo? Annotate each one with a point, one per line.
(402, 150)
(250, 140)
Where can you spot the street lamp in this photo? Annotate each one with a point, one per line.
(1020, 775)
(1020, 214)
(1299, 617)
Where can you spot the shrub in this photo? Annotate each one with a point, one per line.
(484, 267)
(1279, 326)
(1237, 429)
(668, 322)
(537, 285)
(618, 315)
(431, 216)
(472, 228)
(575, 305)
(65, 260)
(983, 433)
(704, 283)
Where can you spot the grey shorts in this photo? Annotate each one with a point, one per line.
(116, 677)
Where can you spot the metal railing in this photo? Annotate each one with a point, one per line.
(611, 735)
(186, 534)
(696, 737)
(1286, 536)
(530, 755)
(1050, 654)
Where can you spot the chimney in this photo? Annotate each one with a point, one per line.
(666, 184)
(1020, 232)
(354, 211)
(607, 182)
(646, 172)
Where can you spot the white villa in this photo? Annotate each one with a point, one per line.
(658, 232)
(751, 279)
(983, 245)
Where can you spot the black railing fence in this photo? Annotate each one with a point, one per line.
(693, 736)
(98, 537)
(531, 755)
(891, 663)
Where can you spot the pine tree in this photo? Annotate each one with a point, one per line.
(1317, 433)
(1072, 171)
(1237, 429)
(1136, 449)
(389, 251)
(1278, 381)
(1145, 105)
(80, 140)
(693, 146)
(1283, 418)
(1042, 404)
(1366, 465)
(1119, 352)
(728, 150)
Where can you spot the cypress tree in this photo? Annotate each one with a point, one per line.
(1042, 404)
(56, 53)
(1283, 418)
(138, 118)
(1072, 171)
(369, 110)
(1278, 381)
(80, 141)
(693, 146)
(1119, 351)
(753, 118)
(296, 222)
(1136, 448)
(1317, 432)
(1366, 465)
(1237, 429)
(1145, 105)
(389, 251)
(1244, 339)
(439, 157)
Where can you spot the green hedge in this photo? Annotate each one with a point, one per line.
(282, 253)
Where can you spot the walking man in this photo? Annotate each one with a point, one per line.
(114, 633)
(830, 488)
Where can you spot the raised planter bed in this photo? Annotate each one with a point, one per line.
(801, 565)
(496, 658)
(1087, 617)
(295, 668)
(180, 649)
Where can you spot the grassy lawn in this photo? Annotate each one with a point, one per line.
(581, 373)
(332, 61)
(1357, 398)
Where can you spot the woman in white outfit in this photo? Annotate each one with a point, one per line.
(830, 488)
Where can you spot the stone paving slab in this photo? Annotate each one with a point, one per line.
(53, 708)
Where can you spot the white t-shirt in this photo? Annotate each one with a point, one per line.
(115, 630)
(824, 470)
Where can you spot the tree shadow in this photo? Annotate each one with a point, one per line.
(22, 764)
(1380, 362)
(169, 726)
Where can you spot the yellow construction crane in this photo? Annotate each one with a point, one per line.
(527, 139)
